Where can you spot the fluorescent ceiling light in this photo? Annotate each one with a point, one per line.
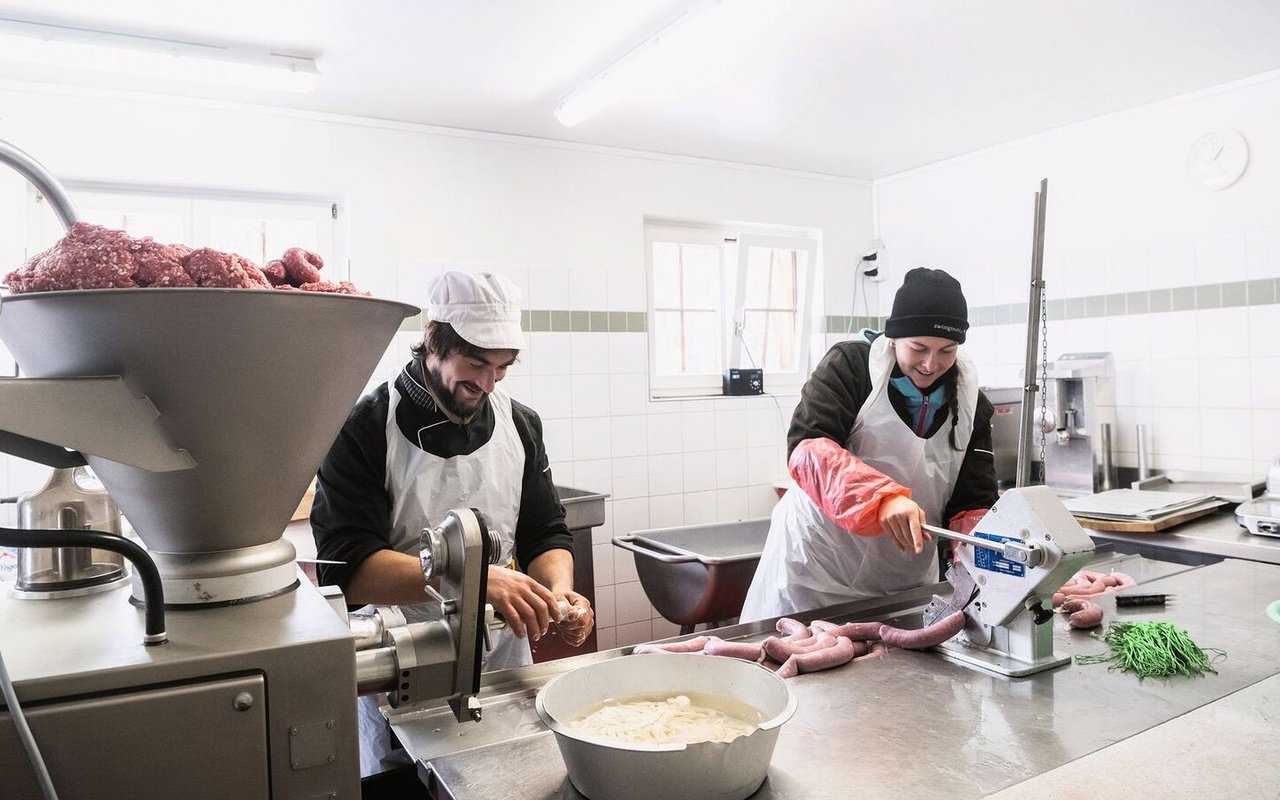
(166, 59)
(629, 72)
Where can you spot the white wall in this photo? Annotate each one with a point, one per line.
(1124, 217)
(565, 223)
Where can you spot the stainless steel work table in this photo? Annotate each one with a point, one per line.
(913, 724)
(1217, 535)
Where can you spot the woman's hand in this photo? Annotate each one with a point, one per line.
(526, 605)
(901, 518)
(577, 621)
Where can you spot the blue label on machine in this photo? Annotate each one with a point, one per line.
(992, 561)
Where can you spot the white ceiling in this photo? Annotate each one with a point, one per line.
(859, 88)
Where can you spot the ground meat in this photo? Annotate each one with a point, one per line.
(341, 287)
(213, 268)
(93, 257)
(88, 257)
(161, 264)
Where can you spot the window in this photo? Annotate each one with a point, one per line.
(727, 297)
(257, 227)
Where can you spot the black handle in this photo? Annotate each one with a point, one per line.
(1131, 600)
(50, 455)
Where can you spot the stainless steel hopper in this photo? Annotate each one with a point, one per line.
(250, 385)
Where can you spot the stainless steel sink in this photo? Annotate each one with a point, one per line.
(583, 508)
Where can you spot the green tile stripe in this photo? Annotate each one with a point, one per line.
(543, 320)
(1265, 291)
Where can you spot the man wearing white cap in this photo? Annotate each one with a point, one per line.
(442, 435)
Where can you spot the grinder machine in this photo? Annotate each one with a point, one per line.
(205, 413)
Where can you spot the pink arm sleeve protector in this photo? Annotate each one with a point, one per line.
(844, 486)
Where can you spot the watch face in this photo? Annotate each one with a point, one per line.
(1218, 159)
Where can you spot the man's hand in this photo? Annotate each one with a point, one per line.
(526, 605)
(578, 621)
(901, 518)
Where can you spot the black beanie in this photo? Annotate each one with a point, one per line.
(929, 303)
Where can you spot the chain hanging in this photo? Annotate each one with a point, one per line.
(1044, 371)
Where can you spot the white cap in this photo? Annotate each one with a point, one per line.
(483, 308)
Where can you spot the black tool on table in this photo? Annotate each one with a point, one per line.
(1132, 600)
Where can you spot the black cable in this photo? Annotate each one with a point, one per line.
(152, 589)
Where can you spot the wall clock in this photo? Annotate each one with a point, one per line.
(1218, 158)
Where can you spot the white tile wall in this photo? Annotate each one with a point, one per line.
(588, 290)
(1220, 257)
(1207, 381)
(626, 290)
(548, 289)
(590, 393)
(1172, 263)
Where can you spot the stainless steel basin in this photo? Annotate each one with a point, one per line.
(698, 573)
(583, 508)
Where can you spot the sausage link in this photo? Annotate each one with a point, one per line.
(693, 645)
(1082, 613)
(929, 636)
(858, 631)
(747, 651)
(841, 651)
(793, 629)
(877, 650)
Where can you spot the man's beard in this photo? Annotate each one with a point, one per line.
(445, 397)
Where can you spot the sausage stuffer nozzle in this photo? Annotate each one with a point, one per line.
(1025, 548)
(438, 659)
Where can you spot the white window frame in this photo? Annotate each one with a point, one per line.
(732, 354)
(196, 207)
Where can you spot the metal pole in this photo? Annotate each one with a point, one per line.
(1030, 388)
(42, 179)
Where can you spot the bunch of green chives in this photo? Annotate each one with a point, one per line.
(1153, 650)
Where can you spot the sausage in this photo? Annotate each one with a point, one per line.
(781, 649)
(858, 631)
(1082, 613)
(929, 636)
(876, 650)
(841, 652)
(747, 651)
(864, 647)
(1087, 583)
(301, 266)
(793, 629)
(693, 645)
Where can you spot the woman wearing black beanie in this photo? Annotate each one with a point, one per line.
(890, 433)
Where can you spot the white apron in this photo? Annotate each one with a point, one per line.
(424, 487)
(809, 562)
